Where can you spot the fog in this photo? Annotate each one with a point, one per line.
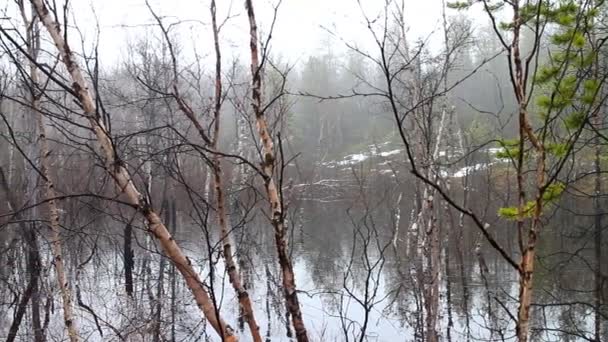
(348, 170)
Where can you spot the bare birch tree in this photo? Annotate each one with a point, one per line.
(125, 185)
(524, 73)
(268, 159)
(211, 143)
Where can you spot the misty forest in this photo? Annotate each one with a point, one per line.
(405, 171)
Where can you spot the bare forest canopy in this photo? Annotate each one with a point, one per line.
(290, 170)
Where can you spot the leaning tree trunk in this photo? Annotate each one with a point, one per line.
(276, 206)
(118, 171)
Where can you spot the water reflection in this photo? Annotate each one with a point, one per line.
(356, 268)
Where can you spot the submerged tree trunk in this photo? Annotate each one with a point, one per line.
(231, 265)
(173, 226)
(158, 303)
(460, 237)
(20, 311)
(215, 174)
(430, 275)
(276, 205)
(56, 244)
(122, 178)
(31, 293)
(597, 205)
(128, 259)
(49, 195)
(34, 267)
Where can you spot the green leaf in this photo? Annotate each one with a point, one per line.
(496, 6)
(591, 88)
(544, 101)
(562, 38)
(591, 85)
(567, 86)
(553, 191)
(565, 19)
(558, 150)
(458, 5)
(586, 60)
(508, 142)
(578, 40)
(575, 120)
(546, 73)
(506, 26)
(509, 213)
(588, 98)
(512, 213)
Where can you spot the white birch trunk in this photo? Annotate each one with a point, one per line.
(124, 183)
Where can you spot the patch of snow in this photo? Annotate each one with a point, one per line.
(374, 146)
(469, 169)
(353, 159)
(389, 153)
(494, 150)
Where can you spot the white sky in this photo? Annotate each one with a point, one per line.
(297, 34)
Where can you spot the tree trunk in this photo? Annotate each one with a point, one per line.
(276, 206)
(430, 272)
(528, 248)
(20, 312)
(525, 296)
(124, 183)
(172, 273)
(128, 260)
(461, 245)
(597, 205)
(58, 262)
(56, 245)
(160, 297)
(233, 272)
(33, 267)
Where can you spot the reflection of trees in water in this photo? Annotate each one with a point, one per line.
(563, 304)
(325, 239)
(566, 276)
(563, 284)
